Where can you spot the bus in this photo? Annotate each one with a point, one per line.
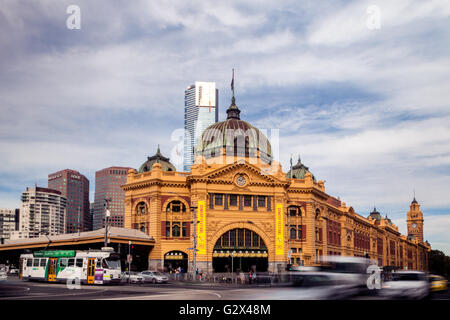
(87, 267)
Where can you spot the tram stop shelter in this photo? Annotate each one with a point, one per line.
(118, 238)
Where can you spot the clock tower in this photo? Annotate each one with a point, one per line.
(414, 221)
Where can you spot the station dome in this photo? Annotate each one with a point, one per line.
(236, 136)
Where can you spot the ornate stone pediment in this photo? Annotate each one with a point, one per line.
(253, 174)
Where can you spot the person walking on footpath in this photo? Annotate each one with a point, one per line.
(242, 277)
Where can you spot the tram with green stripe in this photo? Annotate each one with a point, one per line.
(89, 267)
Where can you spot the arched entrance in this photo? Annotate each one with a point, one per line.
(175, 259)
(240, 249)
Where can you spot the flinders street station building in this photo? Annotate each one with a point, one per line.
(238, 204)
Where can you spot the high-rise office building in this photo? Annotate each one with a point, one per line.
(42, 211)
(107, 186)
(8, 222)
(75, 187)
(201, 109)
(91, 216)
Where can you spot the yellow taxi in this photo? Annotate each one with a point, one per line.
(438, 283)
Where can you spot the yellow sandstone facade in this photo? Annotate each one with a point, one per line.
(245, 206)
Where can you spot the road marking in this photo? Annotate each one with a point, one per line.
(40, 294)
(179, 292)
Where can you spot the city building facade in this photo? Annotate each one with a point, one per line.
(243, 211)
(8, 223)
(201, 109)
(42, 212)
(107, 186)
(75, 188)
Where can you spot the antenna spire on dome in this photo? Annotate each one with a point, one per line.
(233, 99)
(233, 111)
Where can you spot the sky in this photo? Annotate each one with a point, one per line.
(359, 90)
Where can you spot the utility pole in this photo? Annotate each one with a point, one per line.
(107, 214)
(129, 262)
(289, 236)
(79, 221)
(194, 247)
(232, 266)
(301, 237)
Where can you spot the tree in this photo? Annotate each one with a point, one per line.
(439, 263)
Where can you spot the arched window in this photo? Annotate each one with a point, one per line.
(141, 208)
(240, 239)
(293, 233)
(176, 206)
(176, 229)
(317, 214)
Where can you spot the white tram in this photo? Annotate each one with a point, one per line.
(90, 267)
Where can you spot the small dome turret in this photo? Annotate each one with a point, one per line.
(157, 158)
(299, 171)
(375, 214)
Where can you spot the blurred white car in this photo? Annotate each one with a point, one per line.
(307, 286)
(3, 274)
(406, 284)
(134, 277)
(154, 277)
(14, 271)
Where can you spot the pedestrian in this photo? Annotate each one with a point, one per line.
(177, 273)
(242, 276)
(254, 277)
(250, 277)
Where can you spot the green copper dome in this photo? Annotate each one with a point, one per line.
(157, 158)
(375, 214)
(299, 171)
(236, 136)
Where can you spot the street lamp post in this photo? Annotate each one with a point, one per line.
(194, 247)
(78, 220)
(232, 266)
(107, 220)
(129, 262)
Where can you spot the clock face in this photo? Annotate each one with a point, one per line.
(414, 225)
(241, 180)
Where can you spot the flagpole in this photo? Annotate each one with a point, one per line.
(232, 88)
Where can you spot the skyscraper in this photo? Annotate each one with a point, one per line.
(201, 109)
(42, 211)
(107, 186)
(75, 187)
(8, 222)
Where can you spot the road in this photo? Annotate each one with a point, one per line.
(14, 289)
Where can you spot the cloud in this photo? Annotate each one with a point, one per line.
(366, 109)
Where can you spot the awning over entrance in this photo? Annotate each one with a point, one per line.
(115, 235)
(239, 253)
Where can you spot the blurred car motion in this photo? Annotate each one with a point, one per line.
(351, 271)
(14, 271)
(438, 283)
(322, 285)
(406, 285)
(154, 277)
(3, 273)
